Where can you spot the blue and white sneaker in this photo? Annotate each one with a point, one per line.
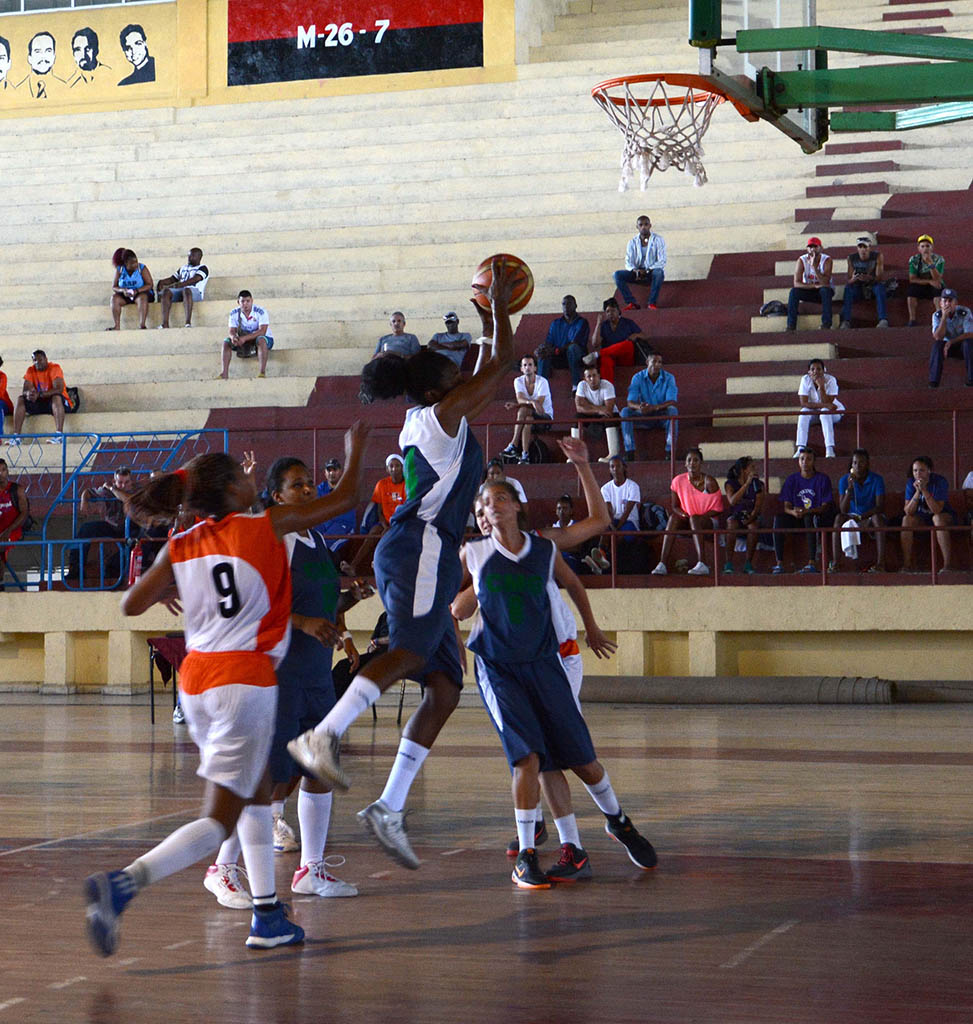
(107, 895)
(271, 928)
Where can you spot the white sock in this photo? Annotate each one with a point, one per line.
(406, 767)
(314, 815)
(604, 796)
(567, 829)
(540, 812)
(185, 846)
(525, 827)
(359, 697)
(229, 852)
(255, 827)
(277, 808)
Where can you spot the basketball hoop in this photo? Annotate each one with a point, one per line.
(664, 128)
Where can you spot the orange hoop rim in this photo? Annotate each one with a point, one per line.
(690, 82)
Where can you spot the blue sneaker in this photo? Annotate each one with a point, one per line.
(107, 895)
(270, 928)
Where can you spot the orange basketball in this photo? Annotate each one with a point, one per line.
(523, 281)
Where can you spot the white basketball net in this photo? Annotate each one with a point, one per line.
(661, 134)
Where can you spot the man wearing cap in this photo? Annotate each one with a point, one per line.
(952, 332)
(812, 283)
(388, 494)
(44, 392)
(866, 277)
(451, 343)
(344, 524)
(399, 342)
(925, 276)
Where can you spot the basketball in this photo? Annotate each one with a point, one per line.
(523, 281)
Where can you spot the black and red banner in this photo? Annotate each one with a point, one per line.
(297, 40)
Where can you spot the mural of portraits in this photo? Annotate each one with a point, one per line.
(136, 50)
(84, 47)
(41, 82)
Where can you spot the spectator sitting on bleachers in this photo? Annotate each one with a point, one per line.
(132, 283)
(596, 398)
(926, 504)
(451, 343)
(812, 283)
(388, 494)
(249, 330)
(696, 498)
(6, 406)
(532, 400)
(617, 341)
(652, 396)
(111, 526)
(807, 498)
(817, 397)
(347, 522)
(496, 472)
(866, 277)
(861, 502)
(968, 498)
(399, 342)
(14, 508)
(564, 512)
(44, 392)
(566, 344)
(926, 271)
(187, 283)
(745, 494)
(952, 332)
(623, 497)
(645, 262)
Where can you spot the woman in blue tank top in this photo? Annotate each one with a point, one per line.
(133, 283)
(417, 567)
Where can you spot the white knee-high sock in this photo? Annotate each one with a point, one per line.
(360, 696)
(229, 852)
(406, 767)
(314, 815)
(185, 846)
(255, 827)
(604, 796)
(567, 829)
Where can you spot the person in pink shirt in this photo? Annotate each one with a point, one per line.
(696, 497)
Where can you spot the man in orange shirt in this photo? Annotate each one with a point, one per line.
(389, 493)
(44, 392)
(6, 406)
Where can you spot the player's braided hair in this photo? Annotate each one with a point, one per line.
(199, 487)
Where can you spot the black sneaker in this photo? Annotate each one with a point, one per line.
(511, 451)
(527, 872)
(540, 838)
(639, 849)
(572, 865)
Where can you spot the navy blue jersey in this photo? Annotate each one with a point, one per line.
(515, 620)
(442, 473)
(314, 588)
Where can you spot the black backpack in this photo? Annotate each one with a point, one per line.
(773, 308)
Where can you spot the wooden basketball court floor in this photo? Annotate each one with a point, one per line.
(815, 864)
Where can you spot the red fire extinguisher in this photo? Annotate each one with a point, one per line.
(135, 563)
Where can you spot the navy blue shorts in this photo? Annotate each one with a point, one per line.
(418, 574)
(532, 708)
(301, 704)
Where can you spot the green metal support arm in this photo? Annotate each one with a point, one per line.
(900, 120)
(848, 40)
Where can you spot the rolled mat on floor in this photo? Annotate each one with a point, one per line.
(739, 690)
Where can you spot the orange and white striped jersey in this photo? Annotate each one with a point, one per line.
(235, 586)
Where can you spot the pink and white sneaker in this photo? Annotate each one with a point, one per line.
(223, 881)
(314, 879)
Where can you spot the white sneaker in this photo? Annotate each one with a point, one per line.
(56, 439)
(797, 452)
(223, 881)
(284, 839)
(319, 753)
(187, 325)
(699, 569)
(592, 564)
(829, 453)
(598, 556)
(388, 827)
(660, 570)
(590, 359)
(314, 879)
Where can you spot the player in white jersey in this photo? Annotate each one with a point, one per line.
(233, 579)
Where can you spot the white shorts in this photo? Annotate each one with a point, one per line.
(574, 670)
(233, 727)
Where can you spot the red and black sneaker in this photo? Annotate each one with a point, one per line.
(540, 837)
(572, 865)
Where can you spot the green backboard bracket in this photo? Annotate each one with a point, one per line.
(900, 120)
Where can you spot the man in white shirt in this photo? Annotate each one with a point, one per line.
(249, 329)
(187, 283)
(596, 397)
(645, 263)
(623, 497)
(532, 400)
(812, 283)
